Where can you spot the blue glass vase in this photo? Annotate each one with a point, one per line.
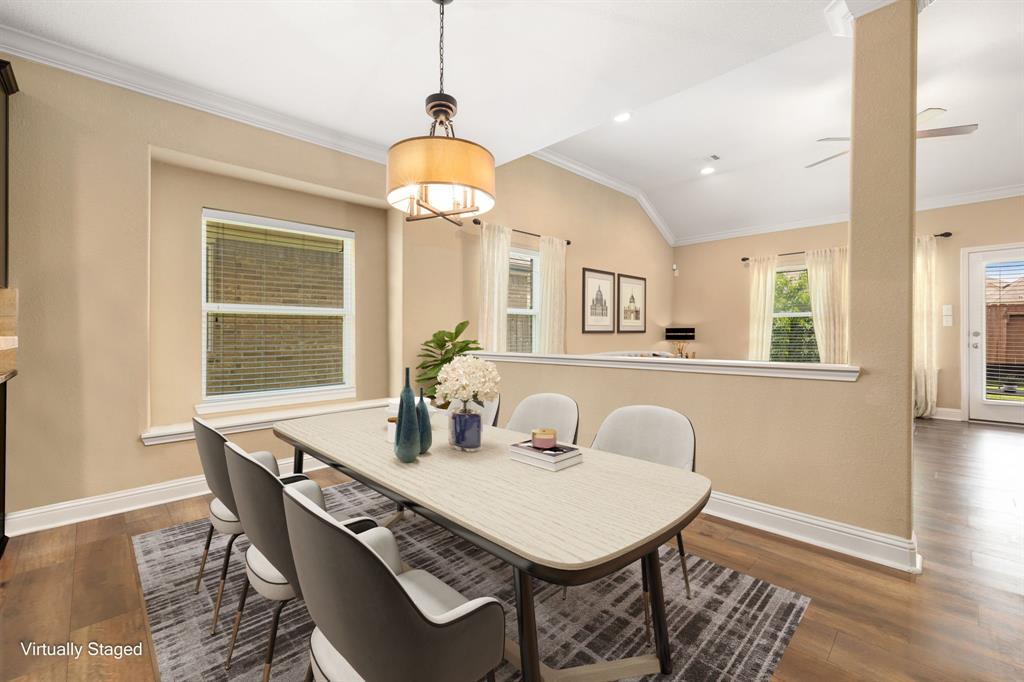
(407, 430)
(464, 430)
(423, 417)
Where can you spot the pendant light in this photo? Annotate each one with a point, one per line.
(439, 175)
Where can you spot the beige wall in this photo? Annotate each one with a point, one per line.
(608, 231)
(711, 291)
(832, 449)
(80, 244)
(178, 198)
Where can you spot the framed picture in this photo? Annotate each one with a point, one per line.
(632, 308)
(598, 301)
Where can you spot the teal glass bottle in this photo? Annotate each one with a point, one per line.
(407, 430)
(423, 416)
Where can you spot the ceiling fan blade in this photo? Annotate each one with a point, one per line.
(828, 158)
(946, 132)
(928, 114)
(834, 139)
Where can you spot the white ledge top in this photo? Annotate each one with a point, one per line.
(751, 368)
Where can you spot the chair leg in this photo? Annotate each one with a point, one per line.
(202, 562)
(647, 603)
(238, 621)
(223, 577)
(682, 560)
(490, 676)
(309, 673)
(273, 640)
(396, 517)
(565, 591)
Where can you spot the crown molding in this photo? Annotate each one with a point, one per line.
(146, 82)
(924, 204)
(761, 229)
(977, 196)
(600, 178)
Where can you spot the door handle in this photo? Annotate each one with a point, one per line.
(974, 345)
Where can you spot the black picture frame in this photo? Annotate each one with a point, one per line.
(620, 310)
(585, 305)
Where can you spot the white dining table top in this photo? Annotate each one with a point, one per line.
(571, 519)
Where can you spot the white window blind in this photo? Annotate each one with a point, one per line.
(277, 306)
(1004, 331)
(792, 326)
(523, 299)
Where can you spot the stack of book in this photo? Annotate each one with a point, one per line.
(553, 459)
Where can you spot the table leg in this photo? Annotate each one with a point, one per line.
(652, 562)
(297, 462)
(528, 651)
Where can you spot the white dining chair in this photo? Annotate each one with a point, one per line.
(656, 434)
(547, 410)
(378, 620)
(223, 514)
(269, 567)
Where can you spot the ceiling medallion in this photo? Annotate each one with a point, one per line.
(439, 175)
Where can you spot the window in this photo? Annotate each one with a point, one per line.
(523, 298)
(278, 316)
(792, 326)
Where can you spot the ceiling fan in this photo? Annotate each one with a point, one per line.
(926, 115)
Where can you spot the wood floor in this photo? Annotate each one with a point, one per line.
(963, 619)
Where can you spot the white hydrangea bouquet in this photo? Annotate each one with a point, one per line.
(468, 378)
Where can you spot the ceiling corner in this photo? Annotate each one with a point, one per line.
(600, 178)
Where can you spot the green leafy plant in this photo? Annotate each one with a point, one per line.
(443, 347)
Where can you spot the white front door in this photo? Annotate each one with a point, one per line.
(995, 334)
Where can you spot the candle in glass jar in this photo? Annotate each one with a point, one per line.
(543, 438)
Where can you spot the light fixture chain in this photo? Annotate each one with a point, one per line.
(440, 47)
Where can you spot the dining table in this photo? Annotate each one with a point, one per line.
(569, 527)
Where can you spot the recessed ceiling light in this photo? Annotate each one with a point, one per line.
(707, 170)
(623, 117)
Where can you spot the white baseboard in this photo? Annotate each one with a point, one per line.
(880, 548)
(86, 508)
(888, 550)
(952, 414)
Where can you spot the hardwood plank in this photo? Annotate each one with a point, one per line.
(105, 582)
(36, 609)
(127, 628)
(866, 660)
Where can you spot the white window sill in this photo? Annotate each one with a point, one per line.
(782, 370)
(278, 399)
(252, 421)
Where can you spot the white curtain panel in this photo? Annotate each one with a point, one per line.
(494, 246)
(925, 321)
(828, 276)
(551, 338)
(762, 305)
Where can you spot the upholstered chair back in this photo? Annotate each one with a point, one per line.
(210, 444)
(261, 509)
(656, 434)
(358, 604)
(547, 410)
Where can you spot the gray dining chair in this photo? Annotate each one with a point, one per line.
(223, 514)
(547, 410)
(377, 620)
(656, 434)
(269, 568)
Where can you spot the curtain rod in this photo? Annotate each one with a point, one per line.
(476, 221)
(943, 235)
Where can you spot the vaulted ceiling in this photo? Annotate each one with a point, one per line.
(755, 82)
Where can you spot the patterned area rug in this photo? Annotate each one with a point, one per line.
(735, 627)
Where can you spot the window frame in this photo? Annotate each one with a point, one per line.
(793, 267)
(534, 310)
(210, 404)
